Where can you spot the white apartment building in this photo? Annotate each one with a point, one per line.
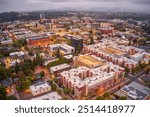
(63, 48)
(59, 68)
(40, 87)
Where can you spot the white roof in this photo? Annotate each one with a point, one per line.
(59, 67)
(49, 96)
(39, 85)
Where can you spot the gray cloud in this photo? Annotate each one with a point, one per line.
(125, 5)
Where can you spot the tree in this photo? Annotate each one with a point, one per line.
(21, 75)
(28, 72)
(50, 82)
(38, 60)
(127, 70)
(1, 55)
(54, 87)
(123, 98)
(11, 98)
(13, 75)
(58, 62)
(67, 91)
(42, 73)
(30, 78)
(19, 43)
(24, 84)
(100, 98)
(59, 91)
(57, 53)
(106, 95)
(2, 93)
(3, 72)
(64, 98)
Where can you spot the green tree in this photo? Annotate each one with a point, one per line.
(50, 82)
(24, 84)
(42, 73)
(59, 91)
(106, 95)
(67, 91)
(29, 72)
(1, 55)
(127, 70)
(54, 87)
(64, 98)
(123, 98)
(11, 98)
(100, 98)
(2, 93)
(21, 75)
(3, 72)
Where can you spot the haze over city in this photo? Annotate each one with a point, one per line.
(138, 6)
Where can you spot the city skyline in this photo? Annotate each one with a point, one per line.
(139, 6)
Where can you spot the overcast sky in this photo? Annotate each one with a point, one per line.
(29, 5)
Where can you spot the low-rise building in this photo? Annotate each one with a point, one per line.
(49, 96)
(59, 68)
(6, 41)
(40, 87)
(19, 55)
(134, 91)
(63, 48)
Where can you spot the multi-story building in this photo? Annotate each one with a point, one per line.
(77, 43)
(43, 41)
(40, 87)
(112, 53)
(107, 31)
(6, 41)
(84, 81)
(137, 57)
(63, 48)
(19, 55)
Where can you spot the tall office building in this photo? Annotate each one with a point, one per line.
(77, 43)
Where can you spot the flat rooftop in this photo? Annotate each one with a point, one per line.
(134, 91)
(60, 67)
(114, 51)
(98, 76)
(90, 60)
(49, 96)
(37, 37)
(38, 85)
